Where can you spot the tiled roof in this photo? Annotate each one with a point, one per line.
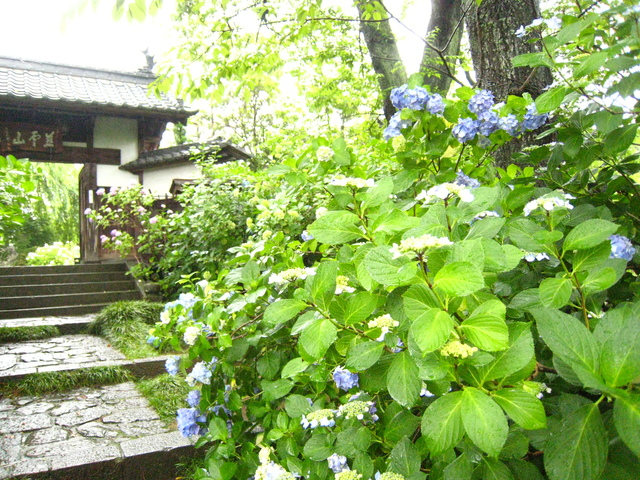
(183, 153)
(21, 79)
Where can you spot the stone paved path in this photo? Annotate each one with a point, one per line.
(48, 355)
(105, 426)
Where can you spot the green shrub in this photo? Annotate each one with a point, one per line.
(57, 253)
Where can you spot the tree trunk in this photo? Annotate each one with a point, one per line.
(444, 34)
(491, 28)
(384, 54)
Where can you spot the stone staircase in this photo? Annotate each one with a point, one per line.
(28, 292)
(107, 432)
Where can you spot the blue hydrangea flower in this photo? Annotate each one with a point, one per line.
(621, 247)
(481, 102)
(405, 97)
(509, 124)
(435, 105)
(337, 463)
(466, 130)
(466, 181)
(193, 398)
(187, 421)
(306, 236)
(395, 125)
(187, 300)
(345, 380)
(489, 123)
(531, 120)
(151, 340)
(172, 365)
(201, 373)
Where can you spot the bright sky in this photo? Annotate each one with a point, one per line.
(33, 30)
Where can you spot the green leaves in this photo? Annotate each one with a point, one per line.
(577, 448)
(382, 267)
(336, 227)
(431, 329)
(555, 292)
(483, 421)
(486, 326)
(403, 381)
(442, 423)
(523, 408)
(281, 311)
(589, 234)
(363, 355)
(571, 342)
(626, 415)
(459, 279)
(318, 337)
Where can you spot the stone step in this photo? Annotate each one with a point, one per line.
(47, 279)
(65, 288)
(43, 301)
(102, 433)
(67, 353)
(66, 311)
(64, 269)
(66, 325)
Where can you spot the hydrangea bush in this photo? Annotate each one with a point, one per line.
(437, 318)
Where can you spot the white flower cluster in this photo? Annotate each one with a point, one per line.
(533, 256)
(485, 214)
(269, 470)
(357, 409)
(415, 245)
(324, 154)
(319, 418)
(342, 285)
(444, 190)
(549, 202)
(290, 275)
(457, 349)
(191, 334)
(342, 181)
(384, 323)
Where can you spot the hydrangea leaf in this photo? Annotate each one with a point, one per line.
(336, 227)
(555, 292)
(442, 423)
(296, 406)
(516, 357)
(459, 279)
(318, 337)
(403, 382)
(363, 355)
(281, 311)
(431, 329)
(522, 407)
(461, 467)
(404, 458)
(493, 469)
(293, 367)
(577, 448)
(620, 357)
(589, 234)
(382, 267)
(484, 421)
(486, 326)
(322, 285)
(626, 416)
(402, 424)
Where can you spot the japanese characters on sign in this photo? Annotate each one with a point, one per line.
(30, 137)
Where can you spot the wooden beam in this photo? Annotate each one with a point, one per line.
(101, 156)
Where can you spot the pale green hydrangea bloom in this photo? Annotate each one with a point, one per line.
(385, 323)
(457, 349)
(348, 475)
(290, 275)
(342, 181)
(342, 285)
(355, 409)
(417, 245)
(324, 154)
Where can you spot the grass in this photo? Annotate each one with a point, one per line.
(126, 325)
(21, 334)
(54, 382)
(166, 394)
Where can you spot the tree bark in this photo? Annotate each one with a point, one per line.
(385, 57)
(444, 34)
(491, 28)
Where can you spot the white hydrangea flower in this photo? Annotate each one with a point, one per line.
(533, 256)
(445, 190)
(165, 317)
(342, 181)
(549, 202)
(321, 211)
(324, 154)
(414, 245)
(290, 275)
(191, 335)
(342, 285)
(385, 323)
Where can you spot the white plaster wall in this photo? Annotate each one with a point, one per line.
(122, 134)
(159, 181)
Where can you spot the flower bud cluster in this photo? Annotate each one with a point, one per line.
(291, 275)
(385, 323)
(413, 246)
(358, 409)
(549, 202)
(457, 349)
(342, 285)
(355, 182)
(319, 418)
